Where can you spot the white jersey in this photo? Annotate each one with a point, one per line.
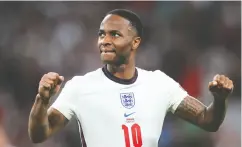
(120, 113)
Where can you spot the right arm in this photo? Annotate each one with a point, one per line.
(43, 123)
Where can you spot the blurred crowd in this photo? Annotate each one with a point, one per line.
(190, 41)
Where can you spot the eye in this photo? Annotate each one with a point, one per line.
(101, 34)
(114, 34)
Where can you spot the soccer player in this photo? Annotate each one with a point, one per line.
(121, 105)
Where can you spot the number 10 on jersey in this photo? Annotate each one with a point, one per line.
(136, 135)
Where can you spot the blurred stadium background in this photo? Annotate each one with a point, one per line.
(190, 41)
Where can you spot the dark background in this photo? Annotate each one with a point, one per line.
(189, 41)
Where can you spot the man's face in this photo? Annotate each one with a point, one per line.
(116, 38)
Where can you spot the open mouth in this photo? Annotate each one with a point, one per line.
(107, 51)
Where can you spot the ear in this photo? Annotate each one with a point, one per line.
(136, 43)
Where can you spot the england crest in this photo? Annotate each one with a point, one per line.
(127, 100)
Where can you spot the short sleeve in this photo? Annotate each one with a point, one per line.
(64, 103)
(175, 92)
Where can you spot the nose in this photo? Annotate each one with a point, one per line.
(106, 41)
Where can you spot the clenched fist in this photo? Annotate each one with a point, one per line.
(221, 86)
(49, 85)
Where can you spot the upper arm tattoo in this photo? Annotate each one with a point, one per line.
(191, 110)
(56, 120)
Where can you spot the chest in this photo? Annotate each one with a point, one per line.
(122, 105)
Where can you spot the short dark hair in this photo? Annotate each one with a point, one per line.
(130, 16)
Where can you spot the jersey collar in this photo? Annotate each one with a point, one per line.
(118, 80)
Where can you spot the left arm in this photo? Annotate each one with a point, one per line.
(208, 118)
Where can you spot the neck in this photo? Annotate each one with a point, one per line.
(124, 71)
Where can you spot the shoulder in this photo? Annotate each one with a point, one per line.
(156, 76)
(93, 75)
(82, 81)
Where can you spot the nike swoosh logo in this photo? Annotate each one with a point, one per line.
(127, 115)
